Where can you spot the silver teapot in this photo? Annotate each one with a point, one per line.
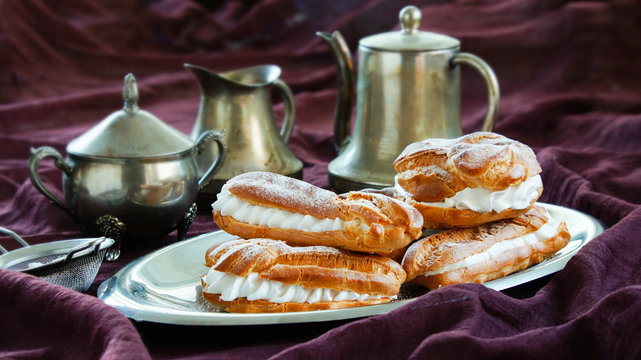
(131, 176)
(408, 90)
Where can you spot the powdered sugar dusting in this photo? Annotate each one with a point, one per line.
(482, 151)
(228, 251)
(281, 191)
(321, 250)
(272, 217)
(477, 158)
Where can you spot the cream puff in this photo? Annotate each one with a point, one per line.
(467, 181)
(267, 205)
(485, 252)
(265, 275)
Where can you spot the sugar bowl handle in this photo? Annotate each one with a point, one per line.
(206, 137)
(38, 155)
(493, 92)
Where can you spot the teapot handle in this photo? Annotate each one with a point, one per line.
(219, 138)
(493, 92)
(290, 109)
(38, 155)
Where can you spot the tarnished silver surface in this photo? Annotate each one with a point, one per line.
(131, 167)
(239, 104)
(164, 286)
(130, 133)
(408, 89)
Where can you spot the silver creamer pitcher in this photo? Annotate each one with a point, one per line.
(408, 90)
(239, 104)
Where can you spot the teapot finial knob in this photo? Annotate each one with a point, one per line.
(410, 18)
(130, 93)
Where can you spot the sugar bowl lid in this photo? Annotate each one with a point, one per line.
(130, 133)
(409, 38)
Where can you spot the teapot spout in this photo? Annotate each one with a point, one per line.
(345, 101)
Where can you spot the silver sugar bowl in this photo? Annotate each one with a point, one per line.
(131, 176)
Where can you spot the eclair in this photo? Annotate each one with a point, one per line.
(267, 205)
(467, 181)
(485, 252)
(265, 275)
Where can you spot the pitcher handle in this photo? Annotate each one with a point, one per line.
(493, 92)
(290, 109)
(38, 155)
(206, 137)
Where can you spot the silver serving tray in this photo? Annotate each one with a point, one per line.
(164, 286)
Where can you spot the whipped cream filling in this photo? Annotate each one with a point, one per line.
(483, 200)
(253, 287)
(545, 232)
(230, 205)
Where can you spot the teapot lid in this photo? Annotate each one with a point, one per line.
(130, 133)
(410, 38)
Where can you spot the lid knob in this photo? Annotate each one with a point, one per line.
(130, 94)
(410, 18)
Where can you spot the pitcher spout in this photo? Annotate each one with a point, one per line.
(346, 92)
(206, 78)
(249, 78)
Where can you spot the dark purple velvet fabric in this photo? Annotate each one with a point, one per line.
(570, 87)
